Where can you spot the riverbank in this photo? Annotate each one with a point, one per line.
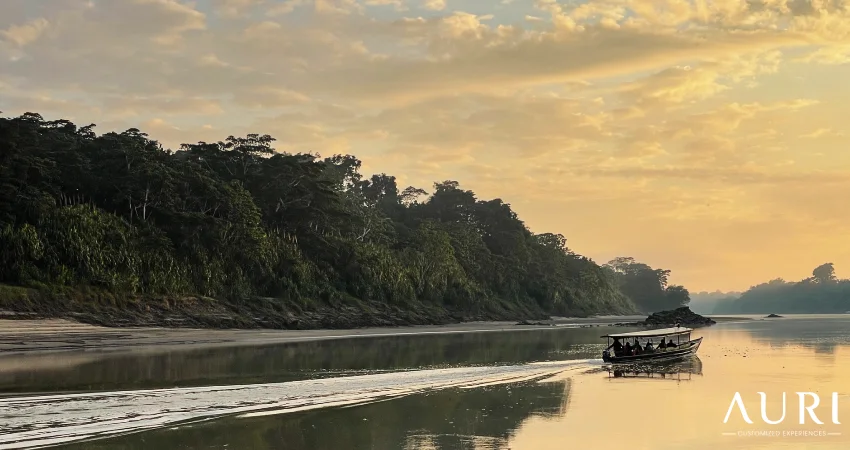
(45, 335)
(36, 320)
(99, 307)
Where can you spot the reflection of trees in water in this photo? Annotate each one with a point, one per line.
(441, 420)
(284, 362)
(821, 334)
(494, 424)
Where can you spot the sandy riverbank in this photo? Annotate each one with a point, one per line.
(17, 336)
(46, 335)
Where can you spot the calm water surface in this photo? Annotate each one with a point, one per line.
(542, 389)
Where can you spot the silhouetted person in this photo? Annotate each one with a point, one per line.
(670, 344)
(618, 347)
(662, 345)
(649, 348)
(627, 349)
(638, 348)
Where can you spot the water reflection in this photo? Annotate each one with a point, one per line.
(822, 333)
(88, 371)
(664, 370)
(461, 419)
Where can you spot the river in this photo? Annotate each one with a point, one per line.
(532, 389)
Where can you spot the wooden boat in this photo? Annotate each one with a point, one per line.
(684, 347)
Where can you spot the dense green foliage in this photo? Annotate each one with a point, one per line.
(237, 220)
(822, 293)
(645, 286)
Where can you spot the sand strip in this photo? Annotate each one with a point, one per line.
(24, 336)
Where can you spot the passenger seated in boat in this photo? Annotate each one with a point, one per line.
(627, 349)
(638, 348)
(649, 348)
(671, 345)
(618, 347)
(662, 346)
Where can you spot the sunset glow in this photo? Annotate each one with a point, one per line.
(701, 136)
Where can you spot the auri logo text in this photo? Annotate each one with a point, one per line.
(804, 408)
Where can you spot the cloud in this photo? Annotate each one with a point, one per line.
(730, 117)
(397, 4)
(687, 84)
(507, 55)
(733, 176)
(434, 5)
(343, 7)
(171, 19)
(26, 33)
(331, 55)
(284, 7)
(822, 132)
(134, 106)
(235, 8)
(72, 109)
(269, 97)
(498, 61)
(828, 55)
(674, 85)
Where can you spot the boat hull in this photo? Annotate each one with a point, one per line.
(686, 349)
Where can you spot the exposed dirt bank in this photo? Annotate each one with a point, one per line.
(59, 334)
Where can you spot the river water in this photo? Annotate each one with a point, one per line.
(537, 389)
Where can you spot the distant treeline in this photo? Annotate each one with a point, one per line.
(822, 293)
(706, 302)
(236, 220)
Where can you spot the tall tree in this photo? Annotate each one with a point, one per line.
(645, 286)
(824, 273)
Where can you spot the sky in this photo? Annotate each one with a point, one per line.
(702, 136)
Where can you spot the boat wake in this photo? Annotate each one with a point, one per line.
(47, 420)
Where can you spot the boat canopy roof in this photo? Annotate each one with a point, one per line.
(652, 333)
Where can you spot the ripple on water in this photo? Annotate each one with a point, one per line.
(47, 420)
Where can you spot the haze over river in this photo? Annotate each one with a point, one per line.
(534, 389)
